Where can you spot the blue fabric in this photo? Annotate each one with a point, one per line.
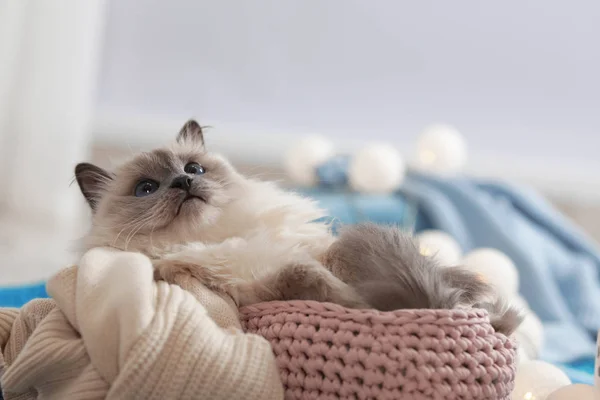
(576, 262)
(346, 207)
(436, 211)
(17, 296)
(333, 174)
(580, 371)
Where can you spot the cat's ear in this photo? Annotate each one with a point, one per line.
(92, 181)
(191, 132)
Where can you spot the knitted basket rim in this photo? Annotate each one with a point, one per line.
(452, 317)
(324, 350)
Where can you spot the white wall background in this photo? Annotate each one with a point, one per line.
(49, 59)
(519, 79)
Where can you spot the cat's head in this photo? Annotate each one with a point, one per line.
(158, 196)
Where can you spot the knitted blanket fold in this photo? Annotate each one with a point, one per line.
(110, 331)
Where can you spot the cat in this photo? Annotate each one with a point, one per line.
(191, 212)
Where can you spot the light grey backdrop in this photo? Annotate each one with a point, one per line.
(516, 77)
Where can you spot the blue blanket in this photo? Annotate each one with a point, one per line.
(16, 296)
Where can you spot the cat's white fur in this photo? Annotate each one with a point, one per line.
(261, 231)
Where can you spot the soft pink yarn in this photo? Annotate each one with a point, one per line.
(325, 351)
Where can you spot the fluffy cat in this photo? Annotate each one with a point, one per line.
(192, 213)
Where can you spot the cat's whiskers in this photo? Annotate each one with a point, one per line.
(142, 224)
(152, 247)
(136, 219)
(280, 177)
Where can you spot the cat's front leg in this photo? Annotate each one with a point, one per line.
(197, 262)
(300, 280)
(214, 278)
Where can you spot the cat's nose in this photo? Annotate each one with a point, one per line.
(182, 182)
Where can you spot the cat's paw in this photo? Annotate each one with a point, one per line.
(172, 271)
(312, 281)
(169, 270)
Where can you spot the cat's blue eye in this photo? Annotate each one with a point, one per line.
(194, 168)
(145, 187)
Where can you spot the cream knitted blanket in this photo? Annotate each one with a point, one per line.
(110, 331)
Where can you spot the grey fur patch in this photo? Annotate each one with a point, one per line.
(306, 280)
(387, 269)
(504, 317)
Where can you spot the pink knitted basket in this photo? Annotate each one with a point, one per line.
(325, 351)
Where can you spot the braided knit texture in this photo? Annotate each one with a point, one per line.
(325, 351)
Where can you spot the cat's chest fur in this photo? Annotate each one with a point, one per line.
(258, 234)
